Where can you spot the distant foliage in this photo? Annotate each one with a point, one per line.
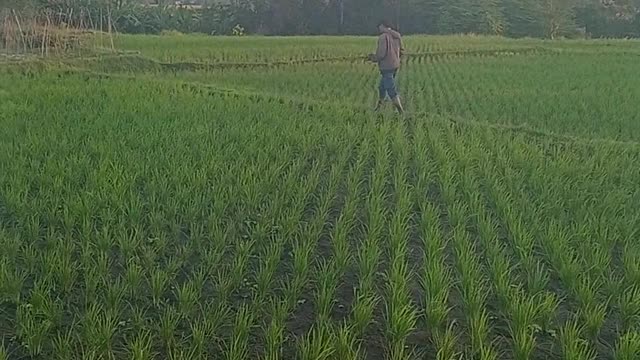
(514, 18)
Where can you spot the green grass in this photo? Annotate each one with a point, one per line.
(266, 212)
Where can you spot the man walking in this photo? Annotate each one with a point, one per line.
(388, 58)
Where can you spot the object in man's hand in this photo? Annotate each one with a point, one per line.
(372, 57)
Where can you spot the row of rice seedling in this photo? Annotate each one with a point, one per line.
(266, 234)
(400, 311)
(277, 307)
(317, 342)
(582, 274)
(519, 280)
(471, 284)
(364, 315)
(435, 273)
(561, 258)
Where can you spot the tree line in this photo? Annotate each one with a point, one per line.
(513, 18)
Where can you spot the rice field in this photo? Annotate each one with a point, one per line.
(240, 200)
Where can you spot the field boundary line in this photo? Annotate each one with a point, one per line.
(206, 66)
(309, 104)
(359, 58)
(541, 133)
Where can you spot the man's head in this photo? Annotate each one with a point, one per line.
(383, 25)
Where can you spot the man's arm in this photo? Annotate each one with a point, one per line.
(381, 52)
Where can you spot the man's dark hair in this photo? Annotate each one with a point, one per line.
(384, 23)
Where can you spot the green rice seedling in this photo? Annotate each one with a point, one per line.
(574, 346)
(368, 261)
(45, 305)
(629, 304)
(92, 281)
(224, 283)
(33, 332)
(115, 293)
(401, 316)
(133, 278)
(362, 312)
(33, 228)
(537, 278)
(628, 346)
(99, 329)
(104, 239)
(141, 347)
(436, 280)
(318, 344)
(598, 260)
(150, 254)
(212, 258)
(502, 277)
(168, 323)
(524, 343)
(301, 258)
(401, 322)
(64, 344)
(266, 272)
(199, 277)
(631, 263)
(479, 331)
(593, 317)
(473, 290)
(327, 285)
(102, 265)
(60, 266)
(30, 257)
(548, 304)
(11, 282)
(346, 344)
(68, 220)
(179, 353)
(523, 312)
(586, 291)
(139, 318)
(158, 283)
(129, 240)
(341, 248)
(4, 353)
(488, 352)
(188, 297)
(215, 316)
(457, 213)
(446, 343)
(275, 332)
(174, 263)
(613, 285)
(200, 332)
(238, 346)
(375, 215)
(570, 273)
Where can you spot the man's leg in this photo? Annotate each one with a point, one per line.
(393, 92)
